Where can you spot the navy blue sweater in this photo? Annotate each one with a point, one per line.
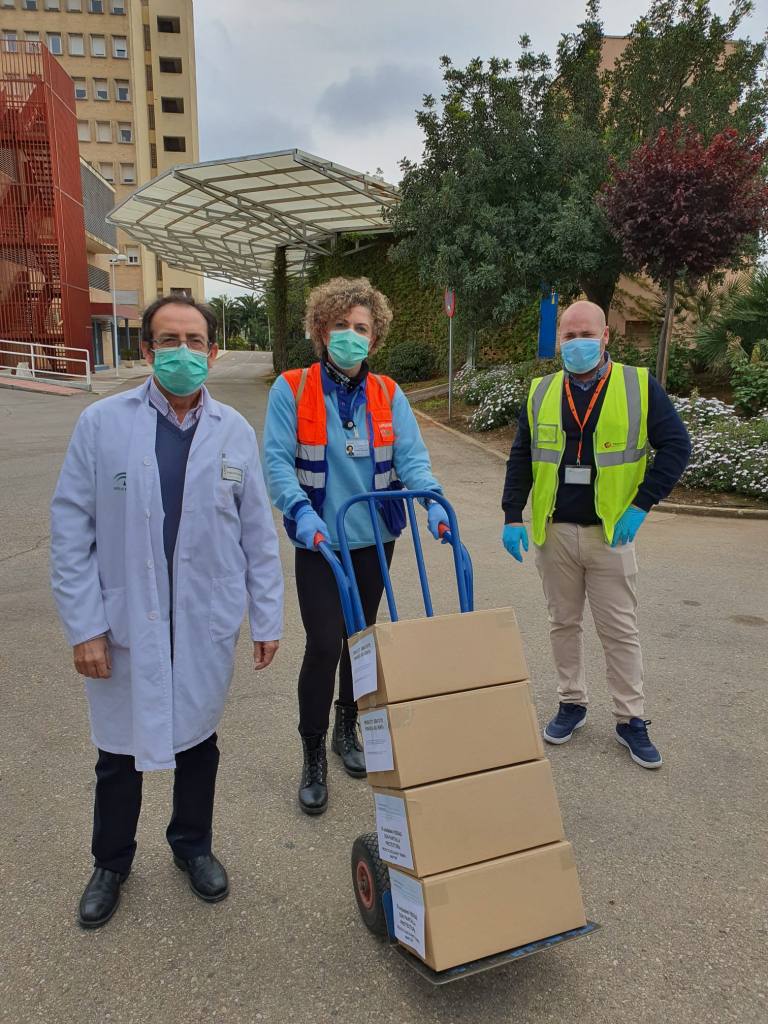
(667, 435)
(172, 452)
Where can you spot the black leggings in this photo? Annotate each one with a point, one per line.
(326, 634)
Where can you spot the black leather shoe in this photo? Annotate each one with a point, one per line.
(207, 877)
(100, 898)
(313, 791)
(345, 741)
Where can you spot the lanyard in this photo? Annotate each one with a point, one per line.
(582, 423)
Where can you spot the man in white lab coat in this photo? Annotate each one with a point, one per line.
(161, 533)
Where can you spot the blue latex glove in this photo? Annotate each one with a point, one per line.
(628, 525)
(512, 538)
(436, 515)
(308, 523)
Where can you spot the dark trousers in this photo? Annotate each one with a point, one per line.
(118, 804)
(326, 634)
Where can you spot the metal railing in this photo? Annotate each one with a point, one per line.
(53, 364)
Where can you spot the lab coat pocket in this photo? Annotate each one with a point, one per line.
(116, 611)
(227, 606)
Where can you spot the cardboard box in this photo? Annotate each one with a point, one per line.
(425, 657)
(448, 825)
(437, 738)
(473, 912)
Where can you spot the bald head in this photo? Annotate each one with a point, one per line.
(582, 320)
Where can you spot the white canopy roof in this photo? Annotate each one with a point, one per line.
(224, 218)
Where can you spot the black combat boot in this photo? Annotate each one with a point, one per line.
(345, 741)
(313, 792)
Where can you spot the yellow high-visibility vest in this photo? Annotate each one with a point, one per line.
(620, 445)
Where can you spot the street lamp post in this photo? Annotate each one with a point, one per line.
(113, 262)
(224, 320)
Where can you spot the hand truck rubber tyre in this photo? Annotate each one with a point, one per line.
(370, 878)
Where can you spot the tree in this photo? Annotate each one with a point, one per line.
(737, 331)
(253, 319)
(227, 315)
(682, 66)
(473, 213)
(515, 156)
(683, 208)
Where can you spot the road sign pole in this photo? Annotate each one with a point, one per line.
(450, 368)
(449, 307)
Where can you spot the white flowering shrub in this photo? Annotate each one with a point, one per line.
(728, 453)
(502, 405)
(472, 386)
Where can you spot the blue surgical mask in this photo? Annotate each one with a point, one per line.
(180, 370)
(580, 355)
(347, 348)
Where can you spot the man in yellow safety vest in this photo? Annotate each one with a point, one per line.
(581, 446)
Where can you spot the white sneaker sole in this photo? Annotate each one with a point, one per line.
(564, 739)
(635, 758)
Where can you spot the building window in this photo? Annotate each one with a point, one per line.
(98, 46)
(179, 292)
(169, 25)
(75, 6)
(122, 91)
(128, 174)
(103, 131)
(100, 89)
(76, 45)
(174, 144)
(172, 104)
(170, 65)
(107, 170)
(120, 47)
(96, 6)
(32, 37)
(117, 7)
(147, 39)
(52, 5)
(151, 117)
(29, 5)
(7, 3)
(153, 156)
(148, 76)
(125, 133)
(133, 254)
(9, 38)
(81, 88)
(83, 131)
(54, 43)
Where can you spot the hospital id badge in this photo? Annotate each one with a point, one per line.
(358, 448)
(581, 475)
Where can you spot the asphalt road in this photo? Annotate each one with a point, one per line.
(673, 864)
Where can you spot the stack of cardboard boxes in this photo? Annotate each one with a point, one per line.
(466, 811)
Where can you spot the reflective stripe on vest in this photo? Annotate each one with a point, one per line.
(620, 445)
(312, 433)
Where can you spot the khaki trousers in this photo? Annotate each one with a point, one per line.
(575, 562)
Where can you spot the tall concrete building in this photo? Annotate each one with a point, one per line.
(133, 66)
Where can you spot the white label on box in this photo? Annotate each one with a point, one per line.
(408, 910)
(377, 742)
(392, 826)
(362, 654)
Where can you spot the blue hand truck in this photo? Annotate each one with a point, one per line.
(370, 875)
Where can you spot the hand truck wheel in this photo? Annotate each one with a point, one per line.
(370, 878)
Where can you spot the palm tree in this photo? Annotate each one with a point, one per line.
(737, 332)
(252, 313)
(227, 315)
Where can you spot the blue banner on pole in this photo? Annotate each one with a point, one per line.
(548, 325)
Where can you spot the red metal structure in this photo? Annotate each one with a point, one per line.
(44, 298)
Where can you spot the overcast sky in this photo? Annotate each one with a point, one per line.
(342, 79)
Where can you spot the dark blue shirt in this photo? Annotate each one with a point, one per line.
(667, 435)
(172, 447)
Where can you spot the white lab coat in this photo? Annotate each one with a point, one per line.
(109, 573)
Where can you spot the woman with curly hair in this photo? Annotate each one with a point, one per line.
(332, 431)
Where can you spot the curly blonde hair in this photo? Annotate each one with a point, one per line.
(335, 297)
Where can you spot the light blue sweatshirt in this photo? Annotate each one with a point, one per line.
(346, 475)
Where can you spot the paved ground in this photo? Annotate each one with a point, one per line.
(673, 864)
